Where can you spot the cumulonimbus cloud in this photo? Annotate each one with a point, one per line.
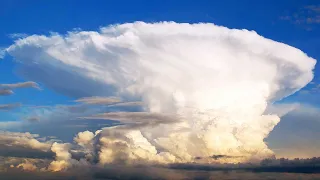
(228, 76)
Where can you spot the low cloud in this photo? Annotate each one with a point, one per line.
(26, 140)
(15, 144)
(27, 166)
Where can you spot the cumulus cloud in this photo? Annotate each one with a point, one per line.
(27, 166)
(24, 145)
(201, 73)
(63, 156)
(84, 138)
(22, 139)
(28, 84)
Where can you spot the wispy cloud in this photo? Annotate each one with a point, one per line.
(17, 35)
(2, 53)
(305, 16)
(9, 106)
(315, 88)
(33, 119)
(28, 84)
(137, 119)
(127, 104)
(314, 8)
(6, 92)
(98, 100)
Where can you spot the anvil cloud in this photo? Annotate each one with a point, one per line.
(218, 81)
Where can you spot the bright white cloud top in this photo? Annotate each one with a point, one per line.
(219, 82)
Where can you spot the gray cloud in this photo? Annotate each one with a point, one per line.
(9, 106)
(98, 100)
(137, 119)
(127, 104)
(178, 172)
(16, 144)
(6, 92)
(33, 119)
(28, 84)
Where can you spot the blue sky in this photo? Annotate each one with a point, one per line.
(284, 21)
(42, 17)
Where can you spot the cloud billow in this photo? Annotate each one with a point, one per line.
(219, 82)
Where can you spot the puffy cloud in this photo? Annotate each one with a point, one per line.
(202, 73)
(84, 138)
(63, 156)
(28, 84)
(27, 166)
(24, 145)
(26, 140)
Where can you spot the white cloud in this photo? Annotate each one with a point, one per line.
(18, 35)
(228, 76)
(2, 53)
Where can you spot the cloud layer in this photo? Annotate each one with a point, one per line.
(218, 81)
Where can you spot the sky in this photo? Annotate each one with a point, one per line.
(292, 22)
